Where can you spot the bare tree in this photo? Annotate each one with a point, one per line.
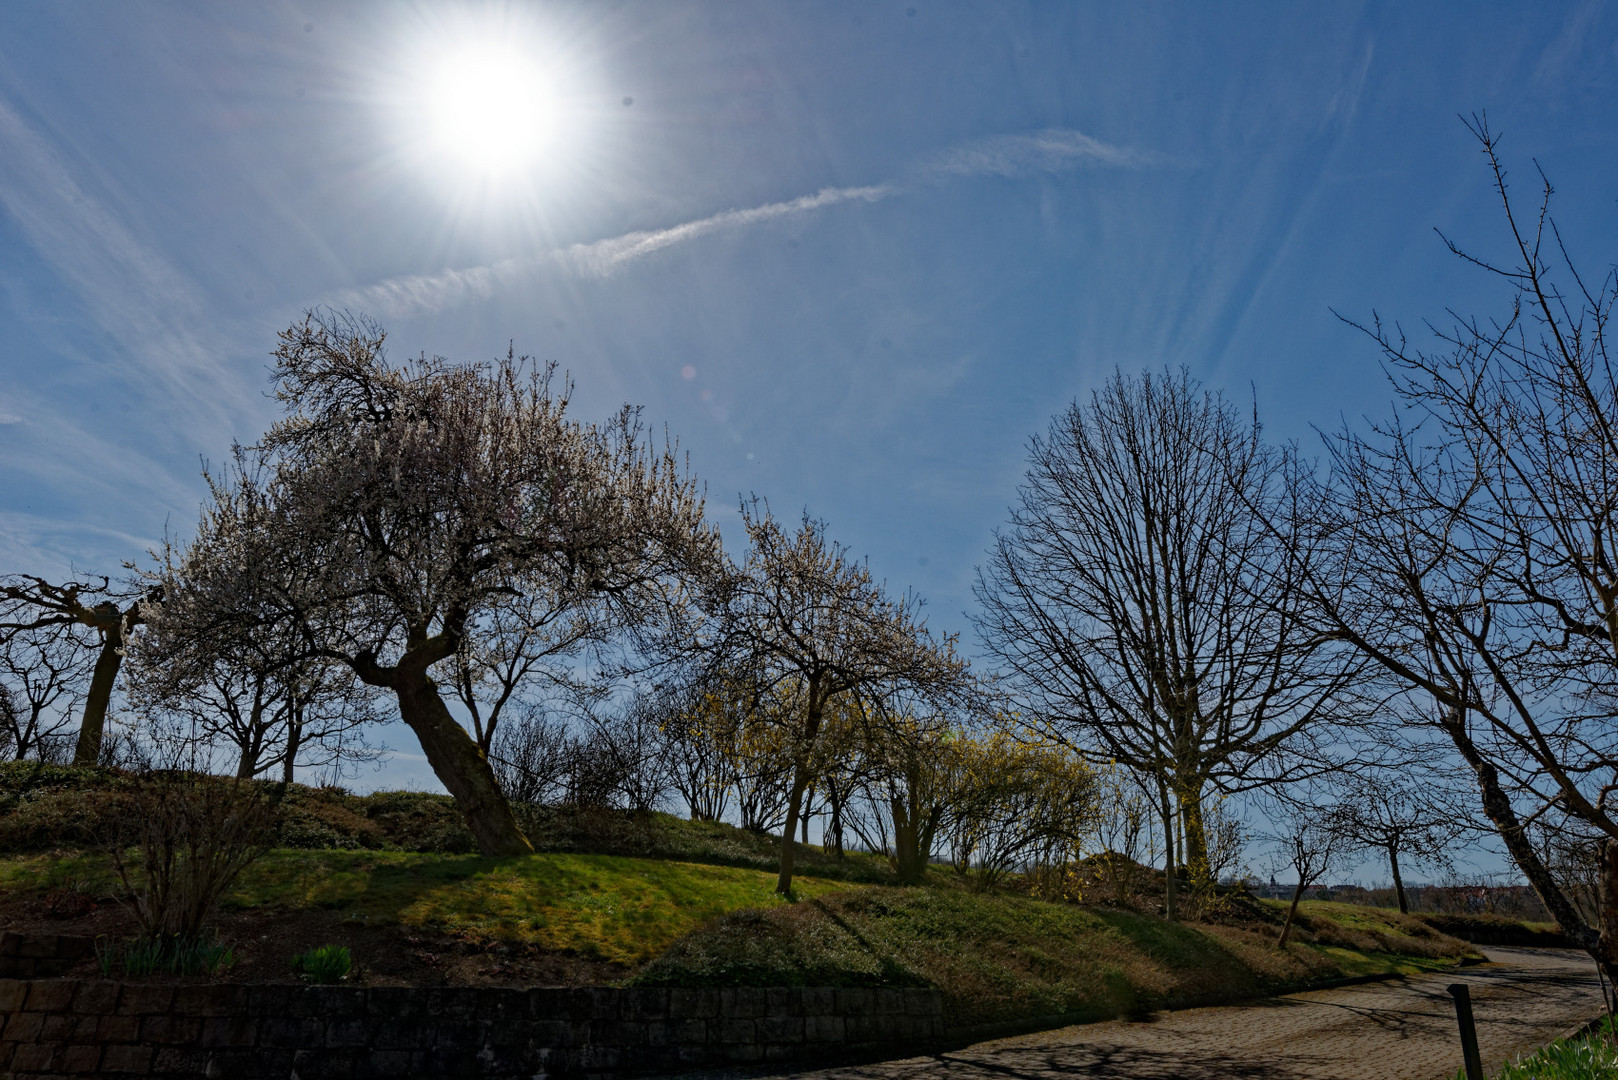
(1147, 612)
(1408, 814)
(30, 604)
(42, 680)
(406, 512)
(1478, 541)
(814, 626)
(1307, 838)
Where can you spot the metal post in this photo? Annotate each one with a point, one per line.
(1469, 1030)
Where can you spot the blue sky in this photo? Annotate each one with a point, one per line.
(852, 254)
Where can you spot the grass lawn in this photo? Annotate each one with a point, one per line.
(607, 907)
(1003, 957)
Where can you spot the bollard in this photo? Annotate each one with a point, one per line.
(1469, 1031)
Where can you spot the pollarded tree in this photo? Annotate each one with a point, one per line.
(1147, 611)
(812, 625)
(42, 678)
(33, 605)
(400, 514)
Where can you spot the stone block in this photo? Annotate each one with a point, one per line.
(137, 1000)
(920, 1001)
(604, 1002)
(127, 1059)
(116, 1029)
(643, 1003)
(558, 1034)
(80, 1059)
(401, 1035)
(690, 1003)
(23, 1027)
(220, 1031)
(96, 996)
(350, 1032)
(179, 1061)
(853, 1000)
(35, 1057)
(689, 1032)
(816, 1000)
(783, 1001)
(743, 1053)
(337, 1002)
(13, 992)
(549, 1003)
(393, 1002)
(51, 995)
(890, 1001)
(617, 1033)
(781, 1029)
(290, 1032)
(781, 1052)
(741, 1003)
(598, 1057)
(272, 1000)
(387, 1064)
(823, 1029)
(220, 999)
(171, 1030)
(68, 1027)
(10, 942)
(325, 1064)
(734, 1032)
(694, 1055)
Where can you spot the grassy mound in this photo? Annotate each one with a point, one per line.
(605, 907)
(1002, 957)
(52, 807)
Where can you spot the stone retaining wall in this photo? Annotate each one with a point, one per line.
(60, 1027)
(30, 956)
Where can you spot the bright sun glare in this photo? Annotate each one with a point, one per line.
(491, 109)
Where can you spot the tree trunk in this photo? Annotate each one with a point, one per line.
(111, 625)
(1171, 890)
(460, 766)
(1292, 912)
(1398, 882)
(800, 783)
(1195, 837)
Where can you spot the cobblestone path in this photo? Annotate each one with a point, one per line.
(1401, 1029)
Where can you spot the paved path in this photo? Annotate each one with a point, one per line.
(1401, 1029)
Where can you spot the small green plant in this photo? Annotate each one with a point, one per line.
(174, 955)
(324, 963)
(1593, 1056)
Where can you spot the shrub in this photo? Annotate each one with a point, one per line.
(324, 963)
(191, 835)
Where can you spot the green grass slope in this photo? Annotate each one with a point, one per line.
(1000, 957)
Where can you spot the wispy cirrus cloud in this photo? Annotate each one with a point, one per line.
(1051, 151)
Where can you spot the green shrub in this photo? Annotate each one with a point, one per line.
(324, 963)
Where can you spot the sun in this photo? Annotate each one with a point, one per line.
(491, 110)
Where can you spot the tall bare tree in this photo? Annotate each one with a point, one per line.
(32, 605)
(813, 626)
(1146, 612)
(1478, 541)
(43, 671)
(1409, 815)
(405, 511)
